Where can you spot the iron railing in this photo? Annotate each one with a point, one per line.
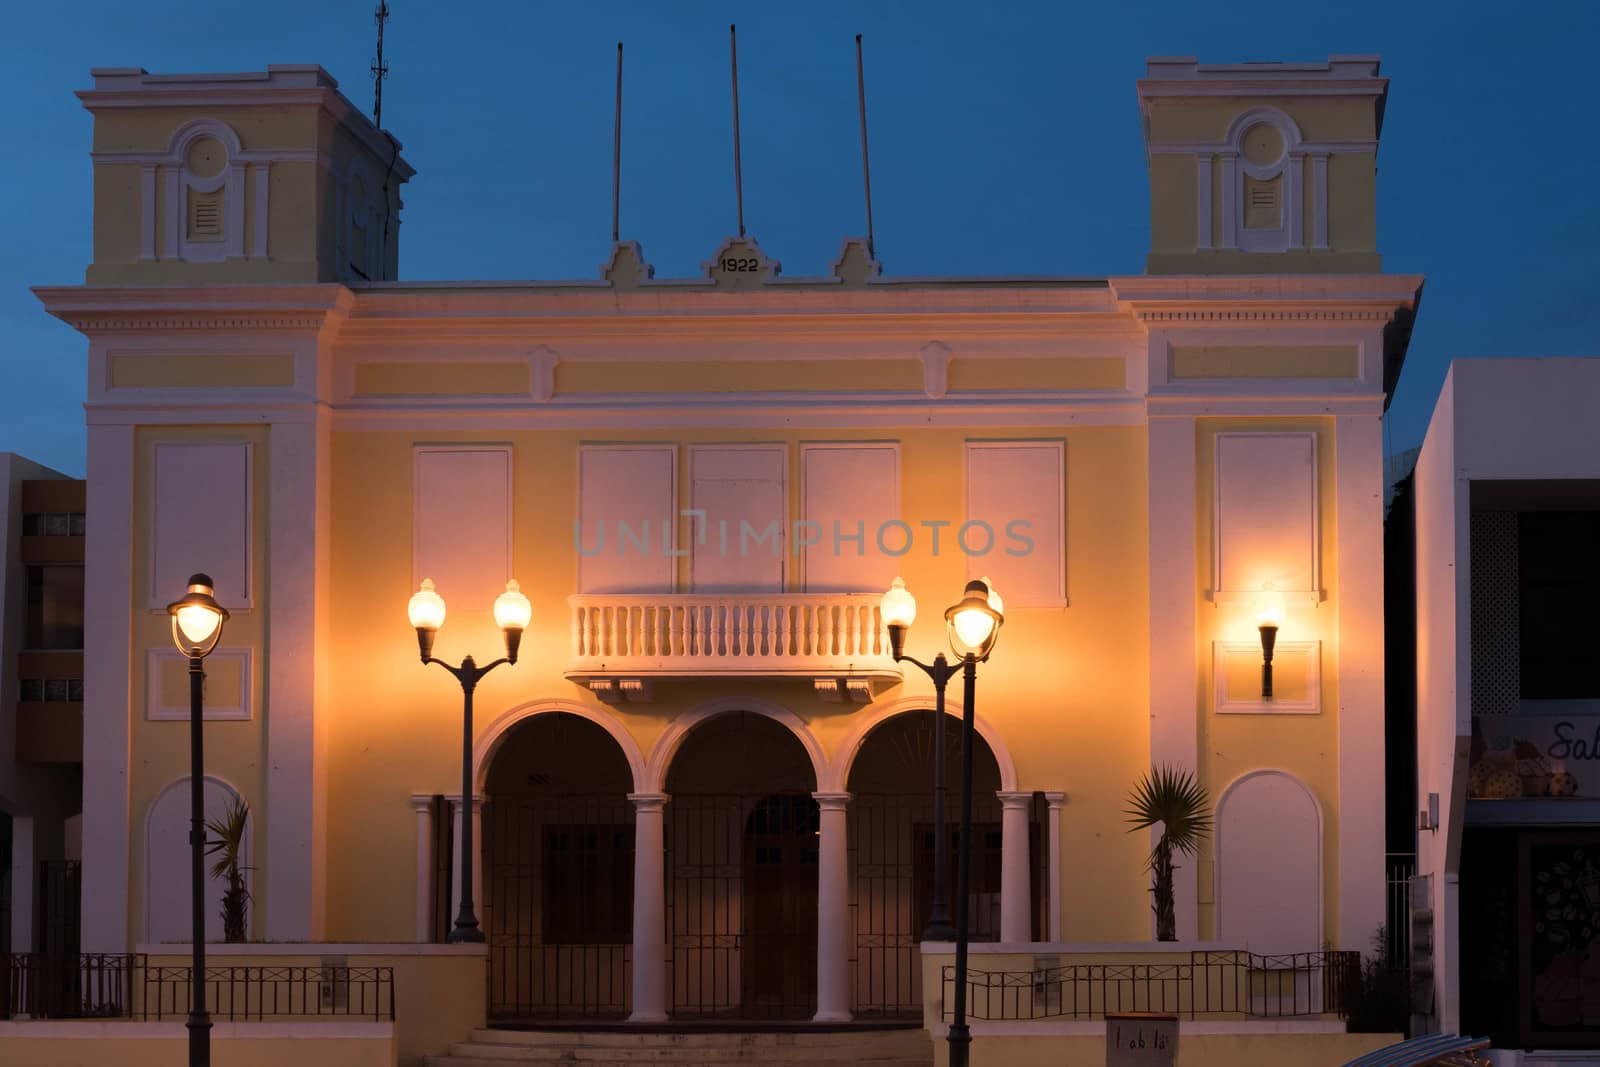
(1398, 869)
(271, 992)
(65, 986)
(85, 986)
(1230, 984)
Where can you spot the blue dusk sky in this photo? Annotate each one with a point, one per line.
(1005, 140)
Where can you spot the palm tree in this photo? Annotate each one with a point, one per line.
(1171, 797)
(229, 841)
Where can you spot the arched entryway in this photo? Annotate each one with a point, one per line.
(558, 836)
(892, 839)
(741, 870)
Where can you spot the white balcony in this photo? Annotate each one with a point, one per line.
(621, 643)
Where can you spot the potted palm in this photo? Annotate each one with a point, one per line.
(227, 845)
(1171, 798)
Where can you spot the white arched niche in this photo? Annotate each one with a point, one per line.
(166, 869)
(1269, 865)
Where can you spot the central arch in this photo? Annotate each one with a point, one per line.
(742, 855)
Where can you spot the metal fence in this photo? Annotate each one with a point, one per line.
(1229, 984)
(75, 986)
(1398, 869)
(38, 986)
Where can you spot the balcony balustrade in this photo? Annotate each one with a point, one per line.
(620, 643)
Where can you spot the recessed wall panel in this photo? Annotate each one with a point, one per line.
(1014, 529)
(1265, 513)
(627, 501)
(201, 520)
(851, 504)
(461, 523)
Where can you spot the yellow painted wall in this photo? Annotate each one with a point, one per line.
(441, 379)
(95, 1044)
(159, 751)
(1232, 744)
(1041, 374)
(1206, 119)
(1265, 361)
(302, 196)
(689, 376)
(1194, 1050)
(1067, 687)
(193, 370)
(1352, 187)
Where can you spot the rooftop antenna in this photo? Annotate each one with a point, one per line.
(616, 158)
(866, 168)
(738, 178)
(380, 69)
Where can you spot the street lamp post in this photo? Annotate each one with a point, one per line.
(512, 612)
(974, 627)
(196, 628)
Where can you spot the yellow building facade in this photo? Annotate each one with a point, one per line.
(704, 788)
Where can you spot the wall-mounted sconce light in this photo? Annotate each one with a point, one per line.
(1271, 605)
(1428, 819)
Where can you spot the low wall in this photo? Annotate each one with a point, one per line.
(440, 991)
(1200, 1044)
(119, 1043)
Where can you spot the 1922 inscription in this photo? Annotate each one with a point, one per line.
(739, 264)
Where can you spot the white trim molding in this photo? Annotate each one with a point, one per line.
(1301, 657)
(219, 706)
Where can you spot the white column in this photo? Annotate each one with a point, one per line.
(649, 908)
(258, 242)
(22, 883)
(1202, 183)
(1230, 201)
(1319, 202)
(296, 770)
(1358, 466)
(1053, 855)
(147, 212)
(1016, 926)
(423, 806)
(478, 894)
(833, 909)
(1174, 716)
(107, 614)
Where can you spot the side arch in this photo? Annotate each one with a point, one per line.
(667, 745)
(1269, 863)
(490, 740)
(166, 861)
(838, 771)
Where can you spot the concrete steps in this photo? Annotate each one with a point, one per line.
(626, 1048)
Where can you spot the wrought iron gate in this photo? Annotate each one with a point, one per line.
(742, 905)
(892, 875)
(558, 906)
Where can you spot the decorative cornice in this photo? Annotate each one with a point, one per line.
(1265, 315)
(181, 309)
(91, 322)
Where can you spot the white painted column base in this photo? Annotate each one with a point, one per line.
(649, 909)
(423, 806)
(833, 909)
(1016, 925)
(1052, 854)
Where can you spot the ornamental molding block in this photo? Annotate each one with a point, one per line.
(936, 356)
